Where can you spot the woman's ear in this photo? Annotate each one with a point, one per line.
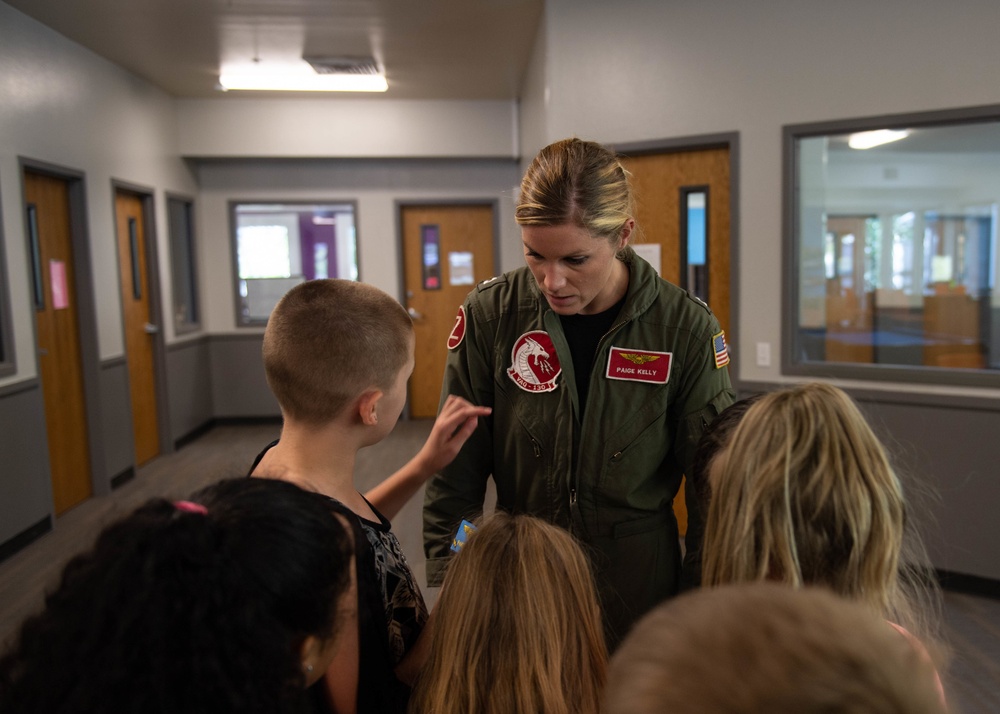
(368, 406)
(626, 233)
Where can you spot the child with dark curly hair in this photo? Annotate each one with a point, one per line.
(233, 601)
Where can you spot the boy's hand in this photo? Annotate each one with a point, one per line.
(454, 425)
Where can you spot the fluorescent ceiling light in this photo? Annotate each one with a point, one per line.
(868, 139)
(297, 78)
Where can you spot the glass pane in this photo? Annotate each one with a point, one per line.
(182, 260)
(694, 232)
(279, 245)
(897, 248)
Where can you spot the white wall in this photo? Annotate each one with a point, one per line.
(61, 104)
(643, 69)
(321, 127)
(374, 185)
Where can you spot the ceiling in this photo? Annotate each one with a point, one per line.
(429, 49)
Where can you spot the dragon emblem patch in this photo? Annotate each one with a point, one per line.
(534, 365)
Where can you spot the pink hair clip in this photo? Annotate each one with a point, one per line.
(190, 507)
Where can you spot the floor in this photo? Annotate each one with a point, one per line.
(972, 624)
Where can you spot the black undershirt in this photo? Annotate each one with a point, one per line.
(583, 332)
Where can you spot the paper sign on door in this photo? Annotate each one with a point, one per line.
(57, 277)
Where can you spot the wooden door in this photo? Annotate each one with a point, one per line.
(849, 308)
(58, 335)
(662, 182)
(139, 324)
(447, 250)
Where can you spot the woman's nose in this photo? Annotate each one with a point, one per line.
(554, 278)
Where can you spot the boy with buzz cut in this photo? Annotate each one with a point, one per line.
(337, 355)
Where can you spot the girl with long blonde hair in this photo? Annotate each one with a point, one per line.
(803, 493)
(517, 626)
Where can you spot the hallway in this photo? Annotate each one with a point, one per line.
(972, 624)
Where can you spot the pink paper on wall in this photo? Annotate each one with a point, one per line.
(60, 292)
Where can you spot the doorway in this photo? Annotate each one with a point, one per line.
(447, 250)
(56, 296)
(673, 189)
(686, 199)
(139, 321)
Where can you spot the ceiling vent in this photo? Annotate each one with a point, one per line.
(344, 65)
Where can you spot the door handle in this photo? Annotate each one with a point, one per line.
(150, 329)
(414, 314)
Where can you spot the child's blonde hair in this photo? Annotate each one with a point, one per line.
(804, 494)
(517, 628)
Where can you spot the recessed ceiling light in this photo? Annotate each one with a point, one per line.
(869, 139)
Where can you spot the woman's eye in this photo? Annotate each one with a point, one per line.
(576, 261)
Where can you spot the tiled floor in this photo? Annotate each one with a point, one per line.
(972, 624)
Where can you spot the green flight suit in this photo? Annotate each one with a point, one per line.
(610, 479)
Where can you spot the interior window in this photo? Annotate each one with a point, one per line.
(278, 245)
(187, 311)
(892, 248)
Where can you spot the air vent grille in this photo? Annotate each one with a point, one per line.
(344, 65)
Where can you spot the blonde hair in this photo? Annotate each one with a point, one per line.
(577, 182)
(328, 340)
(764, 647)
(517, 627)
(804, 494)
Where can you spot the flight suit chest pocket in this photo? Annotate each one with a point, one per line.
(634, 452)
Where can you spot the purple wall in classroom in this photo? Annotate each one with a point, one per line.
(309, 235)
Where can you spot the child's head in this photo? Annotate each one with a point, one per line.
(329, 340)
(232, 601)
(763, 647)
(716, 436)
(804, 494)
(517, 625)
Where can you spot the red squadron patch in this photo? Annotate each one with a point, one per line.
(534, 365)
(458, 331)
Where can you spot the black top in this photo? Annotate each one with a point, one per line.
(379, 691)
(583, 332)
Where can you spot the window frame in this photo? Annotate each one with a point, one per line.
(234, 204)
(791, 249)
(183, 327)
(8, 362)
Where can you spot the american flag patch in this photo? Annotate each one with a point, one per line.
(720, 349)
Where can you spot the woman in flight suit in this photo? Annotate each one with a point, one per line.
(601, 377)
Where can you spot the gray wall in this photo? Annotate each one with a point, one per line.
(25, 487)
(190, 378)
(374, 185)
(116, 423)
(239, 388)
(947, 456)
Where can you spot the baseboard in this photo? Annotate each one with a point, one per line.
(247, 420)
(224, 421)
(123, 478)
(201, 430)
(968, 584)
(26, 537)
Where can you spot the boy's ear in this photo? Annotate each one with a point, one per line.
(368, 406)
